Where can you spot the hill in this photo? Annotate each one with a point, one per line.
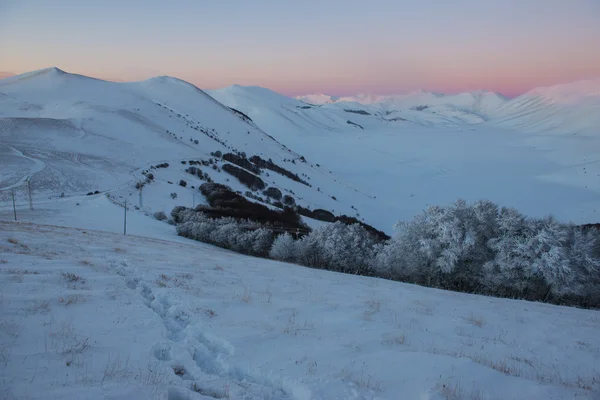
(567, 108)
(107, 315)
(72, 135)
(451, 147)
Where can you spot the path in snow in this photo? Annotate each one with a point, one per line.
(38, 166)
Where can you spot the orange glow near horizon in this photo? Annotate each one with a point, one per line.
(337, 47)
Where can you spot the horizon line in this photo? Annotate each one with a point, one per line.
(10, 74)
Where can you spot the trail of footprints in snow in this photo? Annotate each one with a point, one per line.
(195, 355)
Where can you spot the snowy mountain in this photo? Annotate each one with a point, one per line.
(567, 108)
(72, 135)
(88, 312)
(480, 103)
(564, 108)
(450, 147)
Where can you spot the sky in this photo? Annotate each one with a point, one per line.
(337, 47)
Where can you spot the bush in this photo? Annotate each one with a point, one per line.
(182, 183)
(173, 195)
(224, 232)
(289, 200)
(246, 178)
(338, 247)
(274, 193)
(274, 167)
(160, 215)
(241, 161)
(476, 248)
(226, 203)
(479, 248)
(284, 248)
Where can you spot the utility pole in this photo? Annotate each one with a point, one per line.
(14, 205)
(125, 220)
(141, 202)
(29, 191)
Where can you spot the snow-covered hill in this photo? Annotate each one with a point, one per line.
(479, 103)
(563, 108)
(89, 314)
(72, 134)
(568, 108)
(93, 314)
(417, 156)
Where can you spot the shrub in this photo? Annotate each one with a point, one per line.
(338, 247)
(289, 200)
(160, 215)
(479, 248)
(245, 177)
(241, 161)
(273, 193)
(464, 247)
(224, 232)
(226, 203)
(182, 183)
(173, 195)
(284, 248)
(274, 167)
(361, 112)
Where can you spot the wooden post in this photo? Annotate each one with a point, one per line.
(29, 191)
(14, 205)
(141, 202)
(125, 220)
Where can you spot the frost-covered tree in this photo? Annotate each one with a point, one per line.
(442, 246)
(283, 248)
(539, 258)
(262, 241)
(339, 247)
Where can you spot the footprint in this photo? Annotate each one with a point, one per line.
(132, 283)
(162, 351)
(146, 293)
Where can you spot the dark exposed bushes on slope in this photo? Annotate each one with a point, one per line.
(274, 193)
(268, 164)
(226, 203)
(245, 177)
(241, 114)
(326, 216)
(241, 162)
(355, 124)
(361, 112)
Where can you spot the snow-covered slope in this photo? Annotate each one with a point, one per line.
(97, 315)
(568, 108)
(479, 103)
(72, 134)
(414, 157)
(564, 108)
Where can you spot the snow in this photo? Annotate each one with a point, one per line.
(87, 312)
(84, 134)
(72, 134)
(435, 158)
(90, 314)
(568, 108)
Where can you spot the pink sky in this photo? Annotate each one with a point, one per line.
(338, 47)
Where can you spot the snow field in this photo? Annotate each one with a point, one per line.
(89, 314)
